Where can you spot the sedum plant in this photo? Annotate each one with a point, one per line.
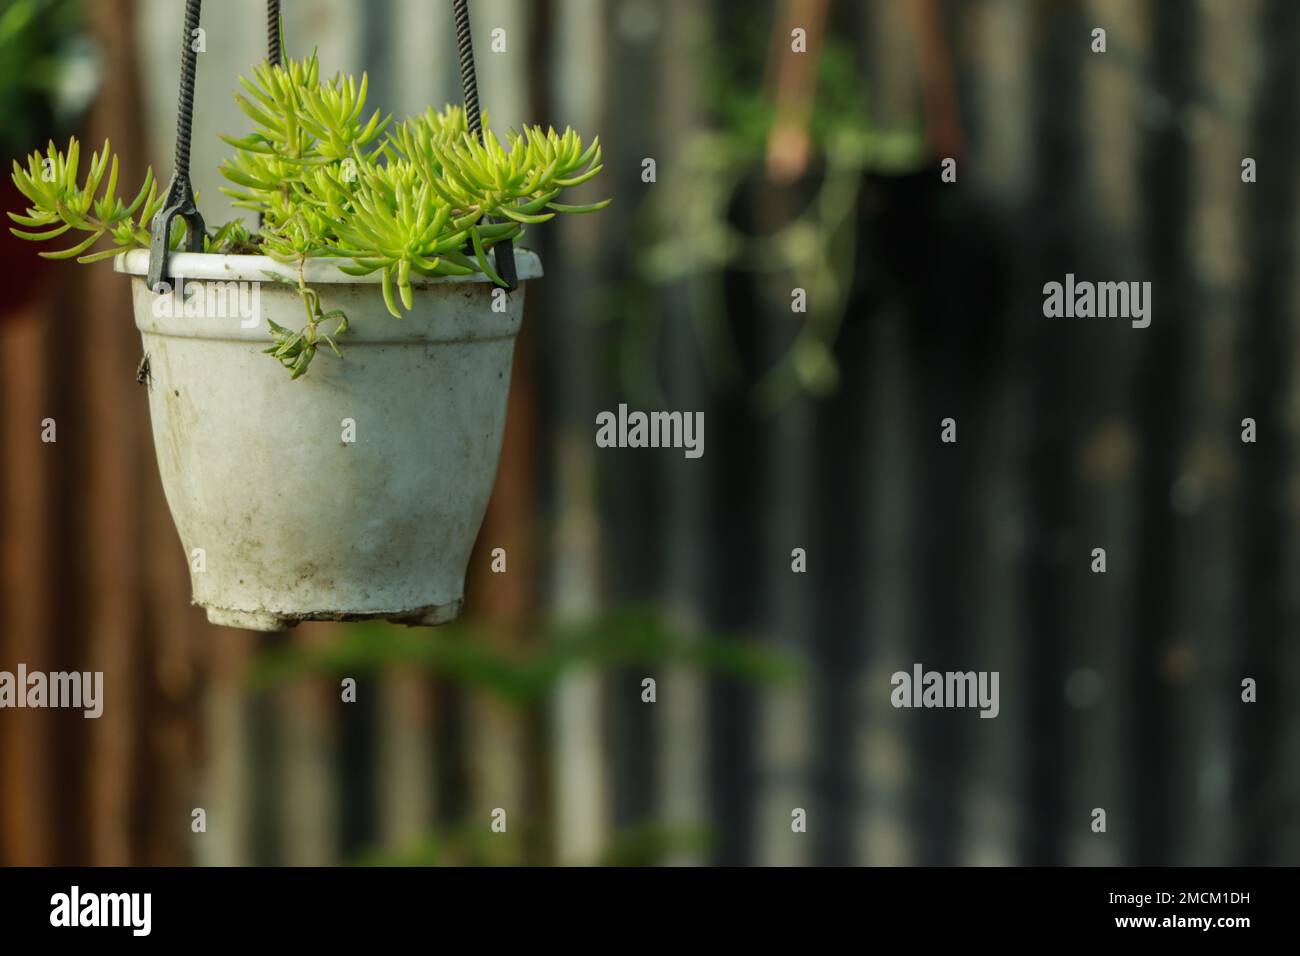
(419, 197)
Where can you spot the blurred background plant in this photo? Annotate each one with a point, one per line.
(624, 643)
(766, 192)
(49, 72)
(48, 76)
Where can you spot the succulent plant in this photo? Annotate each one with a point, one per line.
(420, 197)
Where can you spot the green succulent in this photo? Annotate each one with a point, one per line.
(420, 197)
(62, 202)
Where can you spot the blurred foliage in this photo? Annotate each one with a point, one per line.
(744, 113)
(522, 675)
(802, 235)
(473, 844)
(48, 70)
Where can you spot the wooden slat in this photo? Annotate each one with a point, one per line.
(307, 712)
(226, 786)
(24, 748)
(113, 434)
(580, 784)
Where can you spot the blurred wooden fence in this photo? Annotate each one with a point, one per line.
(1118, 691)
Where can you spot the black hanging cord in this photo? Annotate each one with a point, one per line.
(185, 108)
(180, 193)
(504, 250)
(273, 54)
(468, 81)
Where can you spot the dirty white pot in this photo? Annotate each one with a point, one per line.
(282, 517)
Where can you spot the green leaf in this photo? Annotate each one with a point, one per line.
(387, 284)
(41, 236)
(100, 256)
(523, 217)
(483, 263)
(579, 180)
(34, 222)
(76, 250)
(590, 207)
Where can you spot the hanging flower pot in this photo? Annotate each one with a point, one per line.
(355, 491)
(328, 394)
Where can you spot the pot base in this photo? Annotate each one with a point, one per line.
(270, 622)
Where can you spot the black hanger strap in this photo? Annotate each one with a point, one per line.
(503, 252)
(273, 52)
(180, 193)
(179, 202)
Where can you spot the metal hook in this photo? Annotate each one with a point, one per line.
(180, 203)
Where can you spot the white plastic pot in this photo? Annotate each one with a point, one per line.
(354, 492)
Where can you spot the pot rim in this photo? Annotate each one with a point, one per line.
(319, 270)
